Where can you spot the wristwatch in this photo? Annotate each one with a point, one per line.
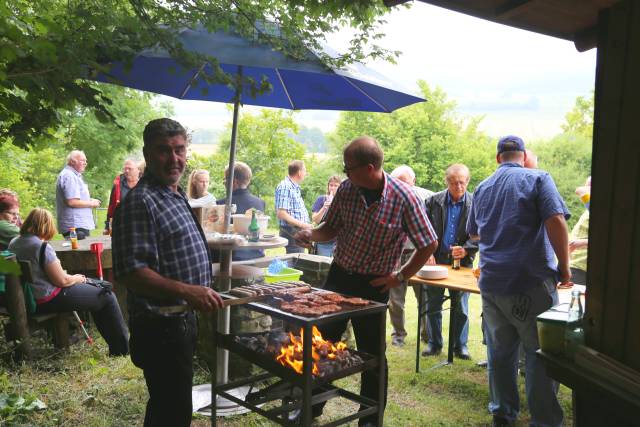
(401, 278)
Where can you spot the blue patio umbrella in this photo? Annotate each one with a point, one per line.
(298, 84)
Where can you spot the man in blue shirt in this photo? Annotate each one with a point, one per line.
(73, 203)
(448, 211)
(519, 218)
(290, 209)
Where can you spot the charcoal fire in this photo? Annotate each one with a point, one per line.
(328, 358)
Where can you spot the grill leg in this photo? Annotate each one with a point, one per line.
(307, 370)
(381, 382)
(420, 309)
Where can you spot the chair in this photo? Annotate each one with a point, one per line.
(21, 324)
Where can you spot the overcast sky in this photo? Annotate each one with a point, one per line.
(522, 83)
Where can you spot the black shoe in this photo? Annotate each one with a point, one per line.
(482, 363)
(397, 341)
(500, 422)
(463, 354)
(431, 351)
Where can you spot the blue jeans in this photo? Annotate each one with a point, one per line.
(435, 297)
(325, 248)
(509, 321)
(288, 232)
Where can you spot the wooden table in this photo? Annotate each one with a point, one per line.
(82, 260)
(458, 280)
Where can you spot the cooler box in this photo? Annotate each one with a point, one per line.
(552, 326)
(286, 274)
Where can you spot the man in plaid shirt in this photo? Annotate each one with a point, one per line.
(160, 254)
(371, 216)
(290, 209)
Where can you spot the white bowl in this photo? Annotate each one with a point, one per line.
(241, 223)
(433, 272)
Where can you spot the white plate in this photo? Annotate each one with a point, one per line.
(433, 272)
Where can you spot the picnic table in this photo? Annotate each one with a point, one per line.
(82, 260)
(457, 280)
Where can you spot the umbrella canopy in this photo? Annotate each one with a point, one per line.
(297, 84)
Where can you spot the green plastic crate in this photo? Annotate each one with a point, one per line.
(286, 274)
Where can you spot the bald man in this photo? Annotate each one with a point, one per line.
(371, 217)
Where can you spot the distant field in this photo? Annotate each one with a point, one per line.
(203, 149)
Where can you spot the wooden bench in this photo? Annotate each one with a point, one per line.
(21, 323)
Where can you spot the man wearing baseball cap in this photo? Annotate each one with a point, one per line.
(519, 219)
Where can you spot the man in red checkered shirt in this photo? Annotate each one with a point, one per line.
(371, 216)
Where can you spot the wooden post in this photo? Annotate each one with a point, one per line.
(18, 315)
(612, 315)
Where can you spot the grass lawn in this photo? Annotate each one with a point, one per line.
(83, 387)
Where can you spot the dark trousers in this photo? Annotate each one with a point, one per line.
(163, 348)
(104, 309)
(578, 276)
(82, 233)
(366, 328)
(288, 232)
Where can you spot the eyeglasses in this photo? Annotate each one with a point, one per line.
(346, 169)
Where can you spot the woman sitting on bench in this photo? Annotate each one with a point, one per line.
(55, 291)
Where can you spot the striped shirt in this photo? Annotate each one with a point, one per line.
(371, 238)
(289, 198)
(155, 228)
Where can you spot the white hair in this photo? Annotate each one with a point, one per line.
(403, 169)
(71, 157)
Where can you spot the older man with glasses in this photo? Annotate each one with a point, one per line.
(371, 217)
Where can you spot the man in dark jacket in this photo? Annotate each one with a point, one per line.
(448, 211)
(244, 200)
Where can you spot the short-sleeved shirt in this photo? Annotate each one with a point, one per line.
(27, 248)
(508, 212)
(70, 185)
(289, 198)
(580, 231)
(371, 237)
(155, 228)
(317, 205)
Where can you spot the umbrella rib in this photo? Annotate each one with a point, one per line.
(284, 87)
(191, 80)
(384, 107)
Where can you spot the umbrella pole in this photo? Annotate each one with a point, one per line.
(224, 319)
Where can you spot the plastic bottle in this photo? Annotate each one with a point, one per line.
(254, 229)
(574, 332)
(73, 236)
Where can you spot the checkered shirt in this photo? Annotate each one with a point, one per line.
(289, 198)
(371, 238)
(155, 228)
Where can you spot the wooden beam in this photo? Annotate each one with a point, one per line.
(511, 8)
(586, 39)
(391, 3)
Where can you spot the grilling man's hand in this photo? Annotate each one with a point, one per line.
(386, 282)
(203, 298)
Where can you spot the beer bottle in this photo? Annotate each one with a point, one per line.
(254, 229)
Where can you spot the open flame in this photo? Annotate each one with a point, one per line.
(321, 349)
